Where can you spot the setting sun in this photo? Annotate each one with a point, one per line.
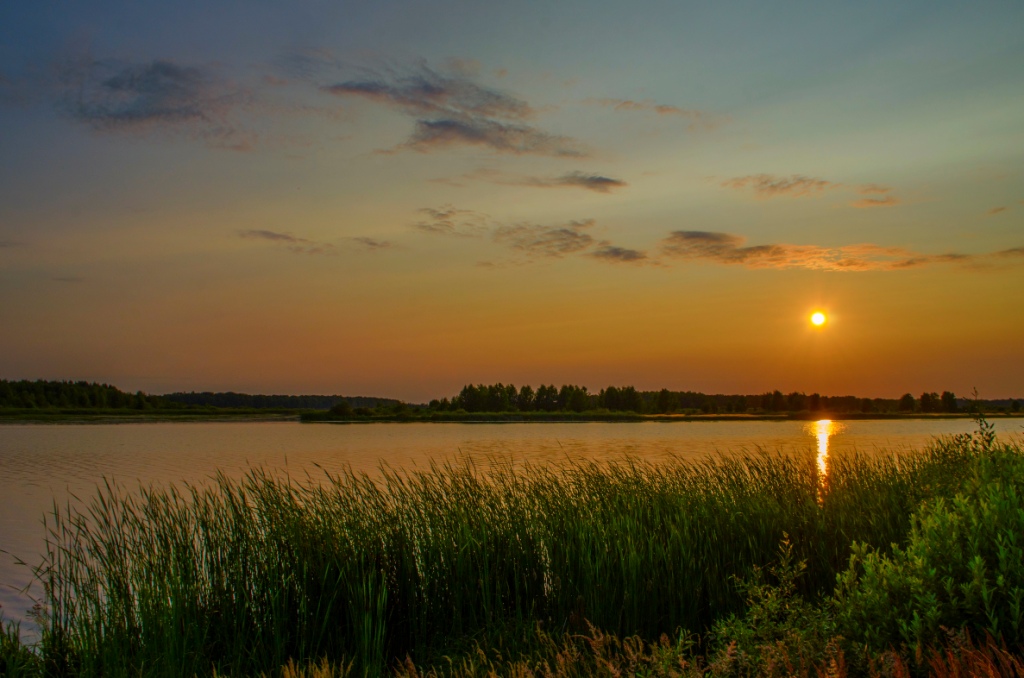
(818, 318)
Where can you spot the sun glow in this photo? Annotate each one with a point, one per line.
(818, 318)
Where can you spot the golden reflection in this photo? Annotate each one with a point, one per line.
(823, 429)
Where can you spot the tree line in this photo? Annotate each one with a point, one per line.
(572, 398)
(42, 394)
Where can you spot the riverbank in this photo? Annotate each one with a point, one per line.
(127, 416)
(564, 417)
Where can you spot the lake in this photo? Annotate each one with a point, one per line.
(45, 464)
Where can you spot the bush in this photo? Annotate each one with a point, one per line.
(342, 409)
(963, 566)
(780, 633)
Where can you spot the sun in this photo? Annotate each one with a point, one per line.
(818, 318)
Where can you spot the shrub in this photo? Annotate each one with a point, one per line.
(963, 565)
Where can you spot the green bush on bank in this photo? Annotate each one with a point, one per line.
(963, 565)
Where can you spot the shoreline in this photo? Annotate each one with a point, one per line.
(320, 417)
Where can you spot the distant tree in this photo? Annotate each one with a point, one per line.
(907, 403)
(442, 405)
(796, 402)
(579, 399)
(948, 402)
(343, 409)
(468, 399)
(1015, 406)
(497, 398)
(631, 400)
(609, 398)
(524, 399)
(866, 405)
(930, 402)
(667, 401)
(546, 399)
(814, 402)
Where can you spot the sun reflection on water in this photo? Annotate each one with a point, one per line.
(823, 429)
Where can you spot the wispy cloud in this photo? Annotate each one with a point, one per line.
(453, 109)
(529, 241)
(801, 186)
(877, 196)
(372, 244)
(597, 183)
(616, 254)
(771, 186)
(726, 248)
(547, 241)
(494, 134)
(995, 210)
(883, 201)
(112, 95)
(591, 182)
(450, 220)
(696, 118)
(10, 244)
(292, 243)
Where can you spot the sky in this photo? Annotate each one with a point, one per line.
(396, 198)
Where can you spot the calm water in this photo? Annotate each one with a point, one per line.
(43, 464)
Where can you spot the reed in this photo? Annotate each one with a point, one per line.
(244, 577)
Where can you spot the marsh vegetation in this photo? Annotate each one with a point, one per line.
(741, 563)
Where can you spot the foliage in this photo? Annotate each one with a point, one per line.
(962, 566)
(780, 632)
(68, 394)
(81, 395)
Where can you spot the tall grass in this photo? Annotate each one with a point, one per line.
(243, 577)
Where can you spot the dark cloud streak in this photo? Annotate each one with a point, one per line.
(453, 110)
(592, 182)
(616, 254)
(114, 96)
(547, 241)
(770, 186)
(292, 243)
(451, 221)
(372, 244)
